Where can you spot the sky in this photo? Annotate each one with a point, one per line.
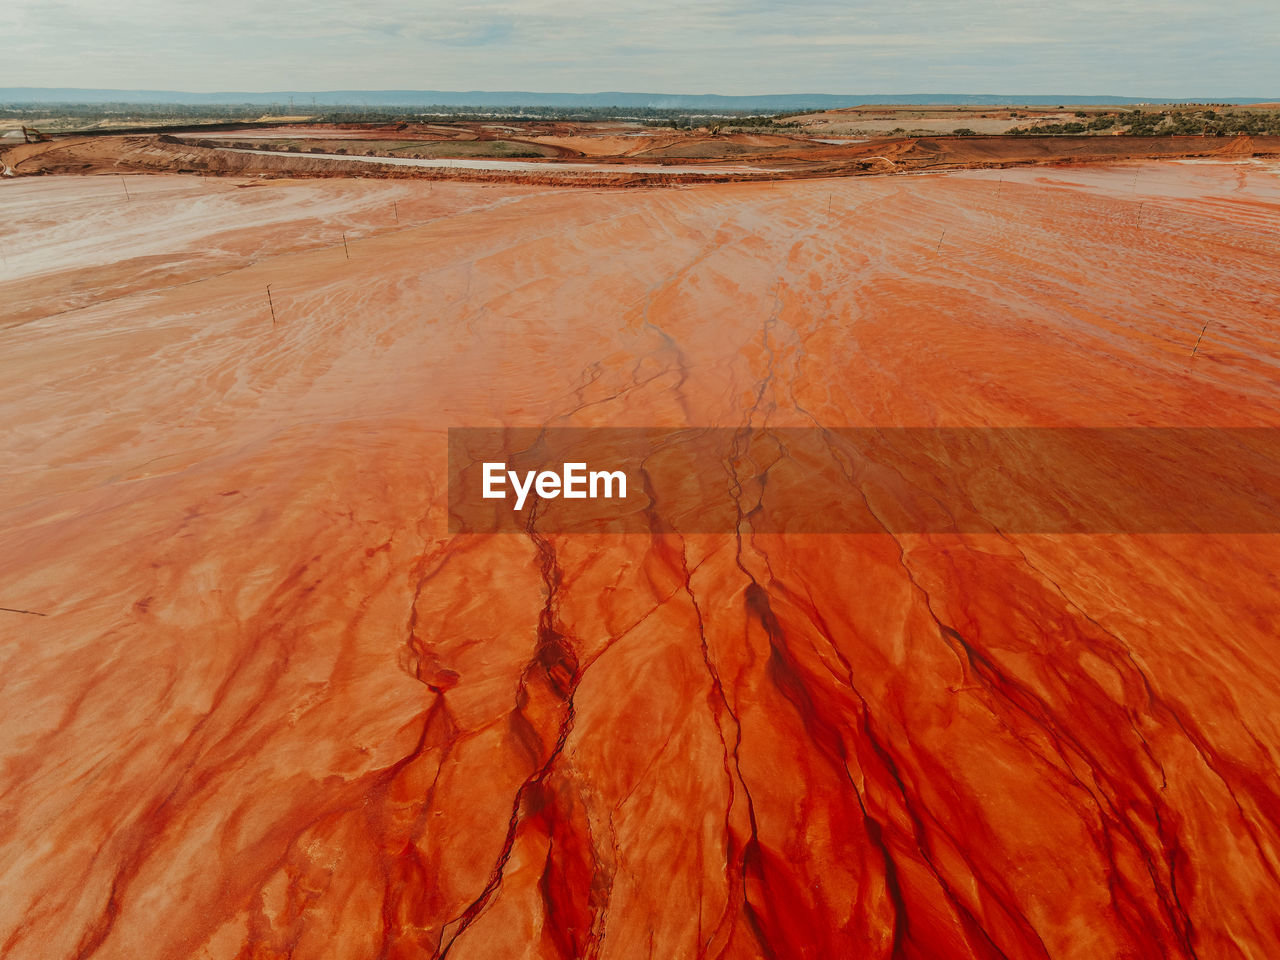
(1147, 48)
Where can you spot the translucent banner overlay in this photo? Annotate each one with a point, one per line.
(865, 480)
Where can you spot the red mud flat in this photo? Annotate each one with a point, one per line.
(264, 705)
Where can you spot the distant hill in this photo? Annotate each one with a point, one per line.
(518, 98)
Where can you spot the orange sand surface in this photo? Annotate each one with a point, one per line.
(259, 703)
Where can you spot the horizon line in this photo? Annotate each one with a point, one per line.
(1080, 97)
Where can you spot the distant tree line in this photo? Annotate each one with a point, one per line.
(651, 116)
(135, 111)
(1201, 121)
(1167, 123)
(172, 113)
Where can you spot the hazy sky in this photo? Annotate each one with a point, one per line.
(1157, 48)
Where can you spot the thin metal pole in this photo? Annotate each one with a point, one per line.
(1199, 338)
(32, 613)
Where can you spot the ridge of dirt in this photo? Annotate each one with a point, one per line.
(769, 157)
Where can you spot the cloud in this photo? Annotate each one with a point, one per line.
(1170, 48)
